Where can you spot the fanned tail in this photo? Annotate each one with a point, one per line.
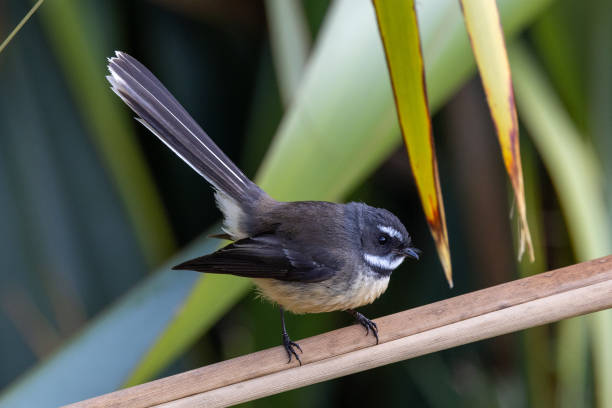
(164, 116)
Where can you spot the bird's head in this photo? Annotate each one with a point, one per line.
(384, 240)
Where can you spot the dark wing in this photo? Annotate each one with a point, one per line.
(226, 237)
(265, 256)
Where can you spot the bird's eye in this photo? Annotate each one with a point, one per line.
(382, 239)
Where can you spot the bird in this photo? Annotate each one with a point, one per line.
(304, 256)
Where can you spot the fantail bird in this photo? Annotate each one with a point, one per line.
(306, 256)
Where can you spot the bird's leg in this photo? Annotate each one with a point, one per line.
(365, 322)
(290, 346)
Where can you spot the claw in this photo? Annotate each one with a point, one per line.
(290, 347)
(366, 323)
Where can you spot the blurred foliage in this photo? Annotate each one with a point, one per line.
(70, 246)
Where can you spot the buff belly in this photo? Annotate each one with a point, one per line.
(326, 296)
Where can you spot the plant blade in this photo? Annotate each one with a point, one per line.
(18, 27)
(399, 31)
(580, 192)
(109, 126)
(209, 299)
(103, 356)
(485, 31)
(290, 41)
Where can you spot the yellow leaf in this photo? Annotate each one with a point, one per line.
(487, 38)
(397, 22)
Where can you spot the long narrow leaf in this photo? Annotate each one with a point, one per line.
(538, 358)
(102, 357)
(290, 42)
(84, 66)
(399, 30)
(24, 20)
(210, 298)
(485, 31)
(578, 180)
(562, 52)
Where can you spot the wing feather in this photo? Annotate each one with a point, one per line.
(263, 256)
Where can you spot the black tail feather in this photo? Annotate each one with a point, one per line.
(164, 116)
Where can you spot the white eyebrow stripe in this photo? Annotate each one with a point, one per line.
(383, 262)
(392, 232)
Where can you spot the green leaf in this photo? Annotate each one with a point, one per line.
(537, 354)
(399, 30)
(563, 54)
(579, 185)
(102, 356)
(487, 39)
(209, 299)
(109, 125)
(18, 27)
(290, 42)
(573, 168)
(56, 254)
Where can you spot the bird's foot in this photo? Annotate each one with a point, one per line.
(290, 347)
(369, 325)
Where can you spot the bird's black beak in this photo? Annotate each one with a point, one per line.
(411, 252)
